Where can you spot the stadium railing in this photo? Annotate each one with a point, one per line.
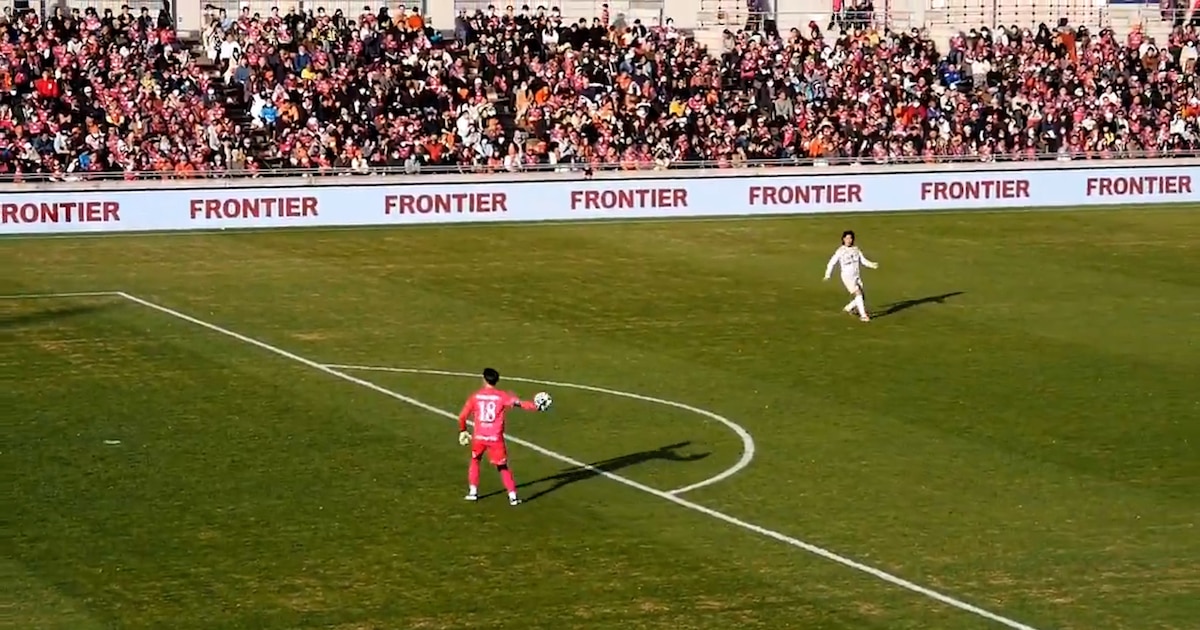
(1022, 13)
(787, 20)
(1154, 17)
(47, 7)
(619, 170)
(573, 10)
(351, 8)
(295, 179)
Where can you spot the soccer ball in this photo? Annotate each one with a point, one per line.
(542, 401)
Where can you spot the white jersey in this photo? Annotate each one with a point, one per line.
(850, 259)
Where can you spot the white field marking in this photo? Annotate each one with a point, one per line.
(731, 218)
(44, 296)
(666, 496)
(747, 439)
(459, 225)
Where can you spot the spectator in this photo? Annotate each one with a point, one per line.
(47, 86)
(522, 89)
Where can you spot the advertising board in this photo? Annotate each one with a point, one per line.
(347, 202)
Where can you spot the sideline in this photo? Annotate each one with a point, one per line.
(616, 221)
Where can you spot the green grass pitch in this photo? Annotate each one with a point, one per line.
(1019, 431)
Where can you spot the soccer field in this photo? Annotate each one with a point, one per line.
(250, 430)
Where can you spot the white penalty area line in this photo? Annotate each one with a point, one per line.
(666, 496)
(748, 448)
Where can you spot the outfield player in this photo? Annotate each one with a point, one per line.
(488, 406)
(850, 259)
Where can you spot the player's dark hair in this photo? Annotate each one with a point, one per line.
(849, 233)
(491, 376)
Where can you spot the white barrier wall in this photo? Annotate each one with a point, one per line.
(351, 201)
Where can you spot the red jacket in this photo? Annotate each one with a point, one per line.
(46, 88)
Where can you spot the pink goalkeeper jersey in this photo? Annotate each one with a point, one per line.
(488, 407)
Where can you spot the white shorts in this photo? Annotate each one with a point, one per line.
(853, 283)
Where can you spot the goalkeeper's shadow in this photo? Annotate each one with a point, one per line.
(576, 474)
(47, 316)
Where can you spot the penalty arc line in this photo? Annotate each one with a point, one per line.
(680, 501)
(748, 447)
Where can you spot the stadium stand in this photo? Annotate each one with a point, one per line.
(109, 89)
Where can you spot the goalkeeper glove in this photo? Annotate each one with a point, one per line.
(464, 438)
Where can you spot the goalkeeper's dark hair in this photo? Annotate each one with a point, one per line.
(849, 233)
(491, 376)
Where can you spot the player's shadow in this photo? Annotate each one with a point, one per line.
(903, 305)
(576, 474)
(49, 315)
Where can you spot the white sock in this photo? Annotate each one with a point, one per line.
(472, 490)
(512, 496)
(861, 304)
(850, 305)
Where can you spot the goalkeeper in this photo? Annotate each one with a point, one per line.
(488, 406)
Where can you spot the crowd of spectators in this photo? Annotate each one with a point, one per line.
(522, 88)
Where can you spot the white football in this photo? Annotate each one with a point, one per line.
(542, 401)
